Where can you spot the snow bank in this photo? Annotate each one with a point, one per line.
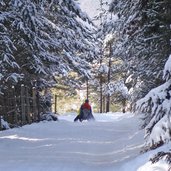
(159, 166)
(103, 145)
(142, 162)
(111, 143)
(4, 124)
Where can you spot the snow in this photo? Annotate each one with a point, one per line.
(167, 69)
(117, 87)
(157, 111)
(142, 163)
(4, 124)
(108, 39)
(112, 143)
(160, 166)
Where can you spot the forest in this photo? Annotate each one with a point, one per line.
(53, 55)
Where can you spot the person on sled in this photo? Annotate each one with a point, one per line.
(85, 112)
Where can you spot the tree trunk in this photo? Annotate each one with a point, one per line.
(101, 95)
(23, 109)
(101, 77)
(104, 104)
(15, 106)
(34, 105)
(28, 106)
(123, 105)
(87, 88)
(108, 95)
(56, 103)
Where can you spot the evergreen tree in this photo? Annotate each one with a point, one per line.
(140, 29)
(109, 33)
(46, 38)
(156, 109)
(155, 106)
(9, 66)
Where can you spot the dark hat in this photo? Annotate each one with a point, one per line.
(86, 100)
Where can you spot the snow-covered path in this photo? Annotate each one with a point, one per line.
(67, 146)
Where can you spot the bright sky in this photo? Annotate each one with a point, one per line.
(90, 7)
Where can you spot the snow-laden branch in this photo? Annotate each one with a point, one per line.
(117, 87)
(156, 106)
(167, 69)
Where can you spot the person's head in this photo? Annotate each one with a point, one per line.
(86, 100)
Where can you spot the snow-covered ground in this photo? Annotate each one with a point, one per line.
(112, 143)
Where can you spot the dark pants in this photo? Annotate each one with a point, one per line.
(79, 117)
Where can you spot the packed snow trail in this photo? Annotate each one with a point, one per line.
(102, 145)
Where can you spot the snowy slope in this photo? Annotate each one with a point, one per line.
(65, 145)
(111, 143)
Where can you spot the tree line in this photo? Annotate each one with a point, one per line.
(42, 43)
(135, 48)
(42, 38)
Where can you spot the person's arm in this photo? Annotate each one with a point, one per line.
(90, 110)
(81, 109)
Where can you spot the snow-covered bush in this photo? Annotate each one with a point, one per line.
(48, 116)
(4, 124)
(156, 108)
(161, 155)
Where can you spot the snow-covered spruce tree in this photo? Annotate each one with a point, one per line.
(156, 110)
(24, 26)
(103, 68)
(76, 41)
(48, 37)
(112, 26)
(138, 43)
(109, 33)
(8, 65)
(43, 39)
(99, 66)
(116, 75)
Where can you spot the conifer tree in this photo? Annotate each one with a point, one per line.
(140, 28)
(156, 110)
(155, 106)
(45, 38)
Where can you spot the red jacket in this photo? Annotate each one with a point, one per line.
(86, 106)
